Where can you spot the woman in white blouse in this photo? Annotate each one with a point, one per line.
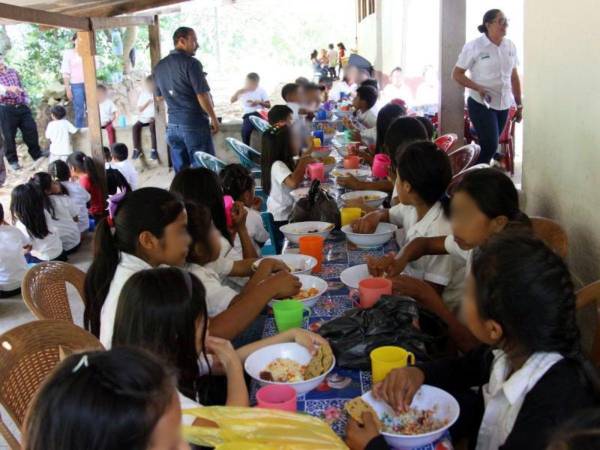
(494, 84)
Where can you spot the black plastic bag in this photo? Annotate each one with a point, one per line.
(392, 321)
(318, 205)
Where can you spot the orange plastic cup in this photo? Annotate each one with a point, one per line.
(370, 291)
(313, 246)
(351, 162)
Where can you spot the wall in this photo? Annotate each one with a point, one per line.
(561, 134)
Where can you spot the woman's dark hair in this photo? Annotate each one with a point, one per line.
(341, 45)
(494, 193)
(279, 113)
(85, 164)
(386, 116)
(159, 311)
(526, 287)
(42, 181)
(146, 209)
(488, 17)
(100, 400)
(59, 170)
(276, 146)
(314, 54)
(427, 125)
(581, 432)
(58, 112)
(400, 133)
(203, 186)
(27, 205)
(236, 180)
(199, 226)
(428, 171)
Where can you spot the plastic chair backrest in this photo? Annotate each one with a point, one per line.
(552, 234)
(209, 161)
(249, 157)
(259, 123)
(446, 141)
(263, 196)
(269, 223)
(464, 157)
(590, 295)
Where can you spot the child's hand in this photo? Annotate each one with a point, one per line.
(257, 203)
(367, 224)
(283, 284)
(378, 267)
(399, 387)
(224, 352)
(238, 216)
(309, 340)
(349, 182)
(305, 160)
(273, 265)
(358, 436)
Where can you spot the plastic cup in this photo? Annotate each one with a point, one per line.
(349, 215)
(277, 396)
(316, 171)
(289, 314)
(228, 201)
(319, 134)
(387, 358)
(316, 142)
(312, 246)
(381, 165)
(370, 291)
(351, 162)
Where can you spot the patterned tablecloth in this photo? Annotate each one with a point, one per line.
(327, 401)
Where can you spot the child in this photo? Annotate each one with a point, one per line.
(108, 113)
(84, 170)
(280, 115)
(119, 153)
(13, 265)
(146, 228)
(253, 98)
(366, 117)
(424, 174)
(58, 132)
(145, 108)
(148, 314)
(386, 116)
(232, 312)
(332, 59)
(61, 209)
(97, 400)
(34, 222)
(484, 203)
(293, 99)
(239, 184)
(280, 175)
(519, 301)
(312, 96)
(59, 170)
(428, 126)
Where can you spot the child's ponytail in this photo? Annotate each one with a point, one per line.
(85, 164)
(42, 182)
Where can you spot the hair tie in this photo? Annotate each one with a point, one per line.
(113, 204)
(83, 362)
(275, 129)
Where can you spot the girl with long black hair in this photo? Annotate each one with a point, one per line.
(83, 168)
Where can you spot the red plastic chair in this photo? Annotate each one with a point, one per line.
(507, 141)
(446, 141)
(464, 157)
(456, 179)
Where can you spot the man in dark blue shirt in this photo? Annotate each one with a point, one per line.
(181, 82)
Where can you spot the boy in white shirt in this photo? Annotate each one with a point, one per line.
(12, 258)
(108, 113)
(253, 98)
(145, 108)
(332, 57)
(59, 132)
(292, 95)
(119, 153)
(365, 123)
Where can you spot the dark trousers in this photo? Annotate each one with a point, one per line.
(18, 117)
(488, 123)
(110, 132)
(247, 127)
(332, 73)
(137, 134)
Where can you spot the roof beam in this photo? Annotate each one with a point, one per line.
(30, 15)
(118, 8)
(99, 23)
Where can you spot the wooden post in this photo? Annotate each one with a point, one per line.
(452, 39)
(160, 120)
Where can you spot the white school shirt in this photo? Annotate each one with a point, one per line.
(147, 114)
(68, 230)
(295, 107)
(490, 66)
(454, 249)
(47, 248)
(107, 109)
(80, 198)
(280, 201)
(332, 56)
(127, 267)
(59, 132)
(257, 95)
(218, 295)
(367, 119)
(340, 87)
(13, 265)
(439, 269)
(128, 171)
(503, 398)
(256, 230)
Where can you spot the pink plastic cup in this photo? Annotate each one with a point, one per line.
(316, 171)
(381, 165)
(370, 291)
(228, 200)
(277, 396)
(351, 162)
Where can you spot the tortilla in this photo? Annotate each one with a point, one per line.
(319, 363)
(357, 406)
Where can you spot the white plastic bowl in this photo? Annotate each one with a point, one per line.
(293, 231)
(260, 359)
(354, 275)
(309, 281)
(384, 232)
(427, 397)
(322, 152)
(360, 174)
(298, 264)
(355, 195)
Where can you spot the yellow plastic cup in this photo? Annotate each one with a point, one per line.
(385, 359)
(349, 215)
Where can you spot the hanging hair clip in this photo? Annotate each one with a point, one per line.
(83, 362)
(113, 204)
(275, 129)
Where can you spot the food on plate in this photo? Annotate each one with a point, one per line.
(283, 370)
(327, 160)
(357, 406)
(306, 293)
(370, 198)
(413, 421)
(320, 363)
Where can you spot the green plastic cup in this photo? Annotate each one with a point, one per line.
(289, 314)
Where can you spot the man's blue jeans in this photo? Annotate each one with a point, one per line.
(488, 123)
(186, 140)
(78, 90)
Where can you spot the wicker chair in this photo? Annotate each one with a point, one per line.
(28, 353)
(44, 289)
(552, 234)
(588, 295)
